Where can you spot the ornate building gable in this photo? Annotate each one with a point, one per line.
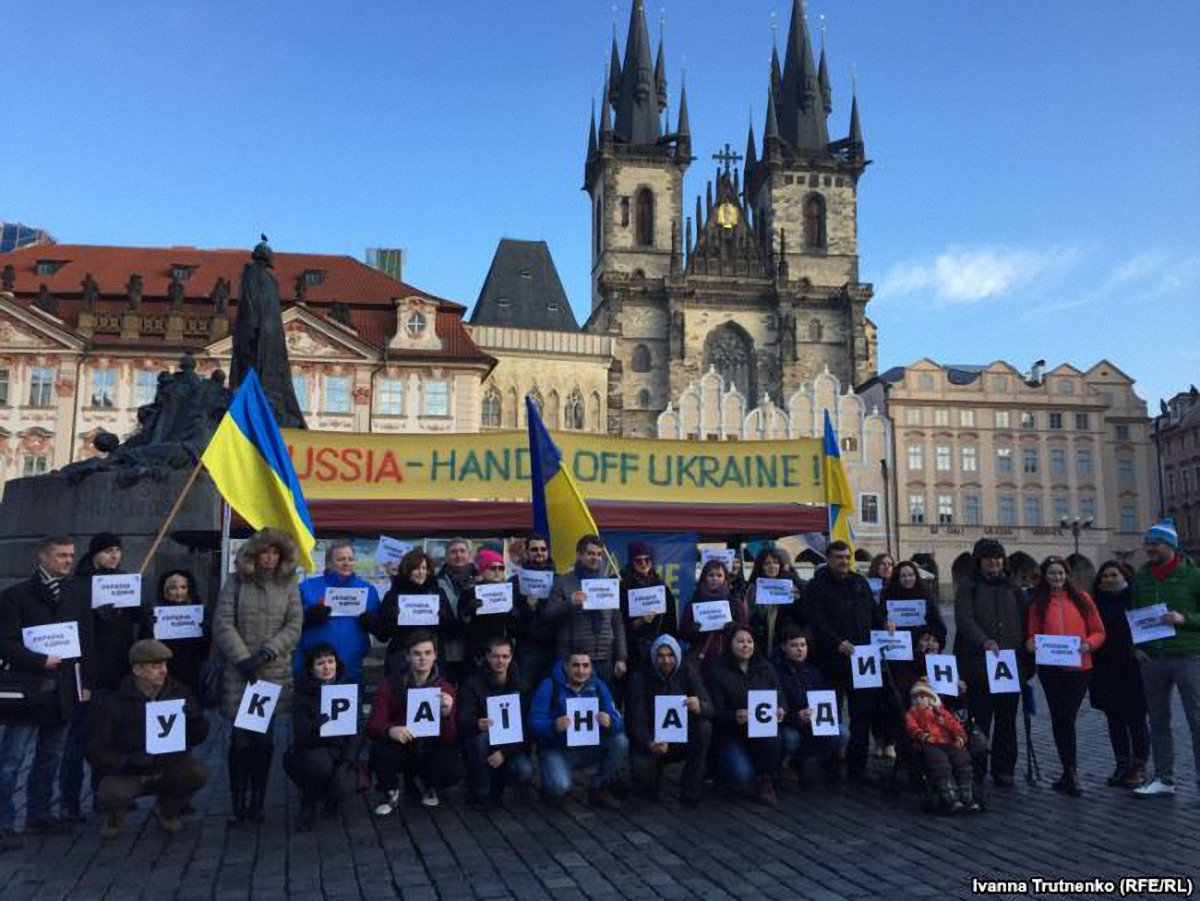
(416, 325)
(311, 339)
(30, 330)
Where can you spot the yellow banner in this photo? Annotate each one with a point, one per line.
(495, 466)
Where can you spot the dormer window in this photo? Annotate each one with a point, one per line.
(181, 272)
(415, 324)
(49, 267)
(314, 276)
(526, 274)
(502, 302)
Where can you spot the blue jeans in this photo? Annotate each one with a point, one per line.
(741, 759)
(557, 763)
(74, 755)
(482, 778)
(39, 788)
(801, 746)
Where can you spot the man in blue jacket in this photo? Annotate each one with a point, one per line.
(350, 636)
(572, 678)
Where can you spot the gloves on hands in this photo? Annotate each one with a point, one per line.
(368, 621)
(248, 668)
(315, 615)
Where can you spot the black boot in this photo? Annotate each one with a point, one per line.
(308, 813)
(239, 783)
(1070, 783)
(260, 770)
(1117, 779)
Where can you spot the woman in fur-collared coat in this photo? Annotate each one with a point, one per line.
(257, 625)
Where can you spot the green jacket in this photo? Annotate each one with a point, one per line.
(1180, 591)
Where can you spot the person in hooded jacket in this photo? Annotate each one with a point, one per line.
(738, 758)
(989, 616)
(115, 629)
(769, 620)
(257, 625)
(706, 648)
(798, 675)
(178, 587)
(415, 577)
(536, 641)
(667, 673)
(322, 768)
(350, 636)
(1116, 685)
(491, 767)
(481, 628)
(641, 632)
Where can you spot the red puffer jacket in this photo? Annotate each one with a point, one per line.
(935, 726)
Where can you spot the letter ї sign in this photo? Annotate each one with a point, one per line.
(343, 466)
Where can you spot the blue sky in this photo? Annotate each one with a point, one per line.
(1034, 193)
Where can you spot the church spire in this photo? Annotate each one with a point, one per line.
(637, 101)
(685, 122)
(751, 152)
(592, 135)
(660, 77)
(614, 70)
(801, 121)
(823, 83)
(857, 148)
(772, 130)
(605, 126)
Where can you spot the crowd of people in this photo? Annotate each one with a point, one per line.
(506, 679)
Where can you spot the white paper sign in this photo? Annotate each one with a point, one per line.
(670, 719)
(711, 616)
(584, 726)
(59, 640)
(419, 609)
(1003, 676)
(536, 583)
(761, 707)
(772, 591)
(391, 550)
(339, 710)
(876, 587)
(907, 614)
(866, 665)
(166, 727)
(1145, 624)
(424, 714)
(650, 601)
(893, 647)
(602, 594)
(505, 713)
(494, 597)
(825, 714)
(258, 706)
(942, 672)
(123, 590)
(1057, 650)
(179, 621)
(346, 601)
(725, 555)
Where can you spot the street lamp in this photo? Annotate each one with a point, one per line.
(1076, 525)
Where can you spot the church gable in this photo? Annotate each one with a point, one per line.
(27, 330)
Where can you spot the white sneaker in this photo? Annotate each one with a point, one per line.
(429, 798)
(889, 752)
(1156, 788)
(388, 806)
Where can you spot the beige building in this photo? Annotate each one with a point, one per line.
(989, 451)
(1177, 441)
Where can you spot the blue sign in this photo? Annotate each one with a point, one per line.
(675, 557)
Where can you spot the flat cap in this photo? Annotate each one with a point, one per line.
(149, 651)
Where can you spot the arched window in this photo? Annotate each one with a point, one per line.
(624, 212)
(643, 398)
(816, 331)
(510, 409)
(492, 408)
(573, 412)
(551, 410)
(730, 351)
(814, 222)
(645, 217)
(596, 411)
(642, 361)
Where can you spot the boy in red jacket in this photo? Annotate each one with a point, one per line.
(943, 744)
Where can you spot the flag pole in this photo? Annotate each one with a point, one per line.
(171, 517)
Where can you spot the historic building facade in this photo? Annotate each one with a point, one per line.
(1177, 442)
(1029, 459)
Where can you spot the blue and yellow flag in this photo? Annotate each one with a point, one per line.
(839, 499)
(249, 463)
(559, 511)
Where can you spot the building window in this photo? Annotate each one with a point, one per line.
(1196, 474)
(145, 387)
(1033, 511)
(1058, 461)
(1004, 461)
(868, 509)
(1126, 476)
(1000, 383)
(1066, 386)
(645, 217)
(1122, 433)
(492, 413)
(926, 381)
(1029, 457)
(941, 416)
(1087, 509)
(943, 458)
(1186, 478)
(814, 222)
(1002, 420)
(916, 457)
(1028, 420)
(436, 398)
(816, 331)
(1056, 421)
(850, 444)
(946, 509)
(337, 394)
(970, 459)
(1082, 422)
(1083, 461)
(389, 401)
(415, 324)
(912, 416)
(3, 387)
(300, 387)
(34, 465)
(314, 277)
(916, 508)
(1007, 510)
(641, 359)
(643, 398)
(966, 419)
(972, 515)
(104, 388)
(624, 207)
(573, 413)
(1129, 518)
(1061, 510)
(1170, 484)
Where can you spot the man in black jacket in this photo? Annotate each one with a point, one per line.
(490, 767)
(44, 599)
(118, 749)
(668, 674)
(842, 611)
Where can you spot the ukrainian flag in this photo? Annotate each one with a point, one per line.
(839, 499)
(249, 463)
(559, 512)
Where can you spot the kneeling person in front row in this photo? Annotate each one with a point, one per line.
(572, 679)
(422, 748)
(132, 763)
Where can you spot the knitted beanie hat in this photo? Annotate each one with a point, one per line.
(1163, 533)
(922, 688)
